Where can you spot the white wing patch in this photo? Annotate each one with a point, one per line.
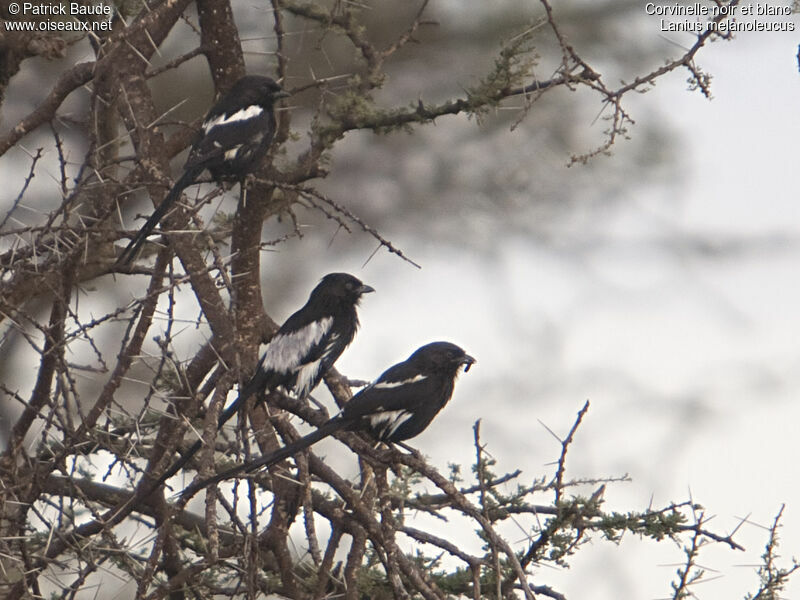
(385, 385)
(231, 154)
(331, 345)
(387, 422)
(306, 376)
(285, 351)
(240, 115)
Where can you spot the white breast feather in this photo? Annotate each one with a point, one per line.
(385, 385)
(240, 115)
(231, 154)
(285, 351)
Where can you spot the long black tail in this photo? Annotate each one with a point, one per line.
(256, 384)
(187, 179)
(326, 429)
(261, 383)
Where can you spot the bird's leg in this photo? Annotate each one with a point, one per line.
(244, 184)
(394, 453)
(413, 451)
(243, 191)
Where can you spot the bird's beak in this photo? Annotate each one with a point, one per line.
(365, 289)
(467, 361)
(281, 94)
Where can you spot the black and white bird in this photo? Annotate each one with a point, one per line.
(236, 135)
(303, 349)
(397, 406)
(310, 341)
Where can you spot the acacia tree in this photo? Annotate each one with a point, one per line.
(76, 504)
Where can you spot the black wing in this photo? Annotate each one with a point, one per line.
(233, 141)
(400, 404)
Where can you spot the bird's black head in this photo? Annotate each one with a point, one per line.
(441, 357)
(340, 288)
(257, 89)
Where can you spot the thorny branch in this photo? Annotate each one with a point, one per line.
(82, 454)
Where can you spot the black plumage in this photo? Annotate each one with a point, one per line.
(397, 406)
(310, 341)
(303, 349)
(236, 134)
